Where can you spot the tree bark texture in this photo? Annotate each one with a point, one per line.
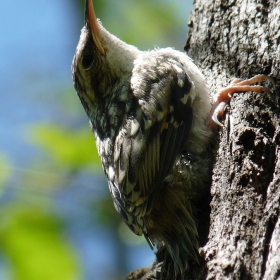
(239, 39)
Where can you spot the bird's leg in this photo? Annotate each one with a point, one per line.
(223, 96)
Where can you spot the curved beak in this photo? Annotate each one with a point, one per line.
(93, 24)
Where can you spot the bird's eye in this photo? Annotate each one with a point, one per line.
(87, 61)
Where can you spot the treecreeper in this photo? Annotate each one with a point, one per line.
(152, 119)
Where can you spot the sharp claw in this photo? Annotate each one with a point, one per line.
(265, 89)
(272, 82)
(264, 77)
(237, 85)
(216, 121)
(255, 79)
(217, 110)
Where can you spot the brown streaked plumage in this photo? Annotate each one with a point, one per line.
(149, 114)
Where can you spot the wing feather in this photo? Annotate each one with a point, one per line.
(154, 134)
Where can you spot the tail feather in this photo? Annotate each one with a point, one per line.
(171, 222)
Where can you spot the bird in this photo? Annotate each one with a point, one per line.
(152, 119)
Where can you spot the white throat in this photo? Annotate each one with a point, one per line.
(119, 55)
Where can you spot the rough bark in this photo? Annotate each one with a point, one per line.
(230, 39)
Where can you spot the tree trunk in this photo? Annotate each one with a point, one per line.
(239, 39)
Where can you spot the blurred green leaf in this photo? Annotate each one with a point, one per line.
(106, 212)
(34, 245)
(152, 23)
(5, 172)
(35, 181)
(73, 148)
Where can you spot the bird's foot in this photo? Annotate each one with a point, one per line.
(223, 96)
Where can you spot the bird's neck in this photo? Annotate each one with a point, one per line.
(119, 55)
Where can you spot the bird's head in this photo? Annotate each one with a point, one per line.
(101, 60)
